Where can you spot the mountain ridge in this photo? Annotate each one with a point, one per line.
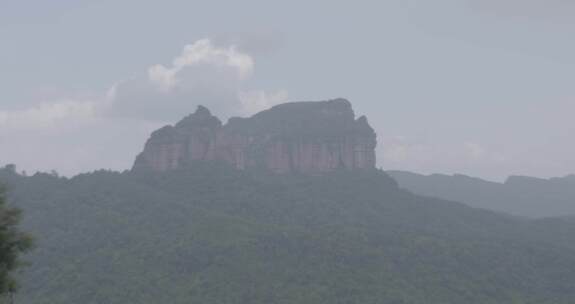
(210, 233)
(304, 137)
(517, 195)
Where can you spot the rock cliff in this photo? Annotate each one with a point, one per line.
(303, 137)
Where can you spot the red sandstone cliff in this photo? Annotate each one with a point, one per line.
(305, 137)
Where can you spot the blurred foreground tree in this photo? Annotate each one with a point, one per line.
(13, 243)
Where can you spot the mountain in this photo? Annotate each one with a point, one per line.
(187, 225)
(211, 233)
(518, 195)
(305, 137)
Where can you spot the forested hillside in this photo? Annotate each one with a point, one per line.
(209, 233)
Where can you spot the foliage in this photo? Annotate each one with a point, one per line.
(212, 234)
(13, 243)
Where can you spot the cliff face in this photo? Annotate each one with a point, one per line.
(305, 137)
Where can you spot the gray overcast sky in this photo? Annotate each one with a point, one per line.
(479, 87)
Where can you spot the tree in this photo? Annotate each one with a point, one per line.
(13, 243)
(11, 168)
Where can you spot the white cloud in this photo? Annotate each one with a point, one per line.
(254, 101)
(78, 134)
(202, 52)
(204, 74)
(163, 77)
(47, 114)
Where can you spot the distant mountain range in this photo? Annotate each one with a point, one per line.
(518, 195)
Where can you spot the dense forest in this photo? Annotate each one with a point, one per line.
(211, 234)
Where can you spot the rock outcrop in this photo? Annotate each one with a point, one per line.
(303, 137)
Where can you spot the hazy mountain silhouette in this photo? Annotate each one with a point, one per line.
(518, 195)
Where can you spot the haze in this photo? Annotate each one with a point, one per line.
(482, 88)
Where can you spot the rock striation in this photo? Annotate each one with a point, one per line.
(296, 137)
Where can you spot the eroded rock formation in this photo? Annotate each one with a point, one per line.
(304, 137)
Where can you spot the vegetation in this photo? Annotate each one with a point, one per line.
(13, 243)
(212, 234)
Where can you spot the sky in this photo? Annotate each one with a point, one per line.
(476, 87)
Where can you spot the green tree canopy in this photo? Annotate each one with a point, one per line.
(13, 243)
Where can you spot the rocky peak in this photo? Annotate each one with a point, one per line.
(305, 137)
(201, 118)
